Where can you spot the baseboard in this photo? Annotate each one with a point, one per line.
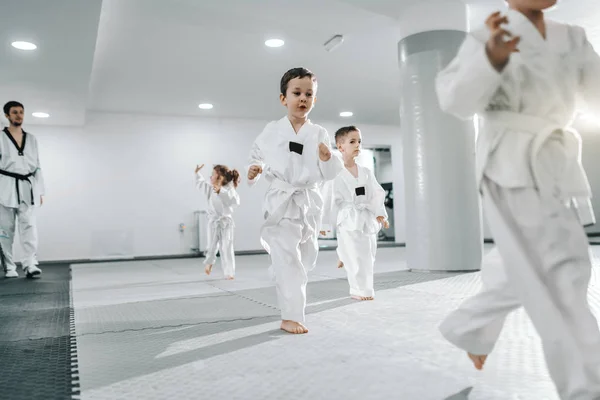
(115, 259)
(237, 253)
(189, 255)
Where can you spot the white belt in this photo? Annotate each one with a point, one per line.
(575, 185)
(220, 225)
(300, 196)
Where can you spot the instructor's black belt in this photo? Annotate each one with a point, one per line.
(19, 177)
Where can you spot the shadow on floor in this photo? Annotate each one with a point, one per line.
(154, 342)
(462, 395)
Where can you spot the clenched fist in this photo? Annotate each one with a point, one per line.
(253, 172)
(324, 153)
(497, 49)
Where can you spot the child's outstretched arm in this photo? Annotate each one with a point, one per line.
(330, 165)
(201, 183)
(255, 164)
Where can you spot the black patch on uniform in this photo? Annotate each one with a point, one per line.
(296, 147)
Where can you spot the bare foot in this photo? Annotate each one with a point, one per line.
(229, 277)
(362, 297)
(478, 361)
(293, 327)
(208, 269)
(340, 264)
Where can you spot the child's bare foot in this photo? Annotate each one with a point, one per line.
(478, 361)
(293, 327)
(362, 297)
(340, 264)
(208, 269)
(229, 277)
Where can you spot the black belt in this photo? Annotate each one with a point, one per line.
(19, 177)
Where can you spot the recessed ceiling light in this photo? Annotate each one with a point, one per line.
(274, 43)
(40, 115)
(205, 106)
(24, 45)
(346, 114)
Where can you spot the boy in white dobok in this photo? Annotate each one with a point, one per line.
(521, 74)
(357, 211)
(294, 155)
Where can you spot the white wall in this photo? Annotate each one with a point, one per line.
(121, 185)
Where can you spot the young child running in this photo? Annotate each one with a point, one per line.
(358, 213)
(294, 155)
(521, 74)
(222, 199)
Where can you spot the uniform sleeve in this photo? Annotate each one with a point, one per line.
(466, 86)
(329, 213)
(229, 197)
(39, 174)
(377, 201)
(589, 82)
(203, 185)
(256, 158)
(331, 168)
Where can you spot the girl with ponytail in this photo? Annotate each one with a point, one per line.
(222, 199)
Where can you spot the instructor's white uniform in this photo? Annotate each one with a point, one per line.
(535, 194)
(293, 205)
(21, 185)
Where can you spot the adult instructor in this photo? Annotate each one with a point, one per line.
(21, 191)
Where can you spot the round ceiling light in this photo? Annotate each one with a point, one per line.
(40, 114)
(274, 43)
(346, 114)
(24, 45)
(205, 106)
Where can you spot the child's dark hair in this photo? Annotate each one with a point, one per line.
(343, 132)
(10, 105)
(229, 175)
(293, 73)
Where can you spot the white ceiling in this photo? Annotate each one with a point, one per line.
(55, 77)
(164, 57)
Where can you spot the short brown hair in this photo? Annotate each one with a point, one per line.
(343, 132)
(299, 72)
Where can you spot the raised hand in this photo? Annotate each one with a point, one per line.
(198, 168)
(324, 153)
(253, 172)
(498, 50)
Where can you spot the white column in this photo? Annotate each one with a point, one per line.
(443, 212)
